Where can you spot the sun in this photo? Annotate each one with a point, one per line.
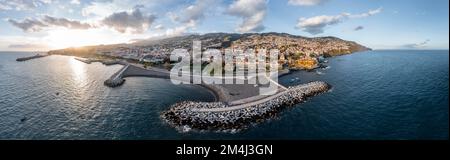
(64, 38)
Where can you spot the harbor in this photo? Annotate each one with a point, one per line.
(236, 106)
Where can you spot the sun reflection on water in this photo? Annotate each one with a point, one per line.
(80, 89)
(78, 70)
(79, 75)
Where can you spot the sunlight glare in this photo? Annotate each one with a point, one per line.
(78, 69)
(64, 38)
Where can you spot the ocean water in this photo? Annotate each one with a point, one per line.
(376, 95)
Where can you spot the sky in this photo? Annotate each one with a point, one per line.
(40, 25)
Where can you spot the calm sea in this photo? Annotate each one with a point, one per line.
(376, 95)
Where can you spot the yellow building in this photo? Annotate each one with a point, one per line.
(305, 63)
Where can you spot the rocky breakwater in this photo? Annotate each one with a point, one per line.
(220, 116)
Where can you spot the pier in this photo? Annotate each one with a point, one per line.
(105, 62)
(130, 70)
(30, 58)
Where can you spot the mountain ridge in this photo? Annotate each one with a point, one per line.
(285, 42)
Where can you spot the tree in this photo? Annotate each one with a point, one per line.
(298, 55)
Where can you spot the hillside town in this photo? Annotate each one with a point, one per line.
(295, 52)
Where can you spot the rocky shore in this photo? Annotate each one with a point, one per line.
(220, 116)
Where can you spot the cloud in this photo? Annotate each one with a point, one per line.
(173, 17)
(316, 25)
(28, 25)
(190, 17)
(99, 9)
(306, 2)
(417, 45)
(35, 25)
(102, 8)
(368, 14)
(75, 2)
(159, 27)
(27, 46)
(123, 22)
(20, 5)
(63, 22)
(252, 12)
(133, 22)
(196, 11)
(358, 28)
(180, 30)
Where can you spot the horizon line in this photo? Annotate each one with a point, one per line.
(383, 49)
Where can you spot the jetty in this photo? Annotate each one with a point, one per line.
(105, 62)
(131, 70)
(128, 70)
(222, 116)
(87, 61)
(30, 58)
